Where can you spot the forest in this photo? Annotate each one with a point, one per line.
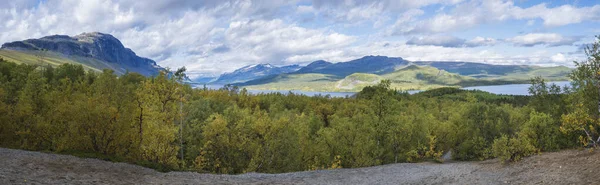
(161, 123)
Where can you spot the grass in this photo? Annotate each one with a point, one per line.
(558, 73)
(303, 82)
(39, 58)
(356, 81)
(425, 75)
(56, 59)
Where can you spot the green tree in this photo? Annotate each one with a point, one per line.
(512, 148)
(585, 98)
(541, 131)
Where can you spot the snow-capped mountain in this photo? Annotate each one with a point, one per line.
(252, 72)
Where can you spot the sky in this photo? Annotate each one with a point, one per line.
(210, 37)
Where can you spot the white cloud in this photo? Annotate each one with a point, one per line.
(430, 53)
(475, 12)
(437, 40)
(450, 41)
(558, 16)
(356, 11)
(276, 36)
(214, 36)
(547, 39)
(302, 9)
(274, 41)
(172, 32)
(434, 53)
(185, 35)
(406, 17)
(481, 41)
(558, 58)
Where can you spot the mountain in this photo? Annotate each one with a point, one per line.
(253, 72)
(425, 75)
(203, 80)
(500, 72)
(410, 77)
(353, 75)
(367, 64)
(94, 50)
(314, 66)
(294, 81)
(475, 69)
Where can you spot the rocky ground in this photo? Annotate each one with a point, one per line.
(565, 167)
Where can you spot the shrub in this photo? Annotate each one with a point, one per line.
(513, 148)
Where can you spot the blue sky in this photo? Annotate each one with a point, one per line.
(214, 36)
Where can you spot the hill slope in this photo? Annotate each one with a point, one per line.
(305, 82)
(95, 51)
(564, 167)
(503, 72)
(411, 77)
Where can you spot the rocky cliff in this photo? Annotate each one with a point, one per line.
(100, 46)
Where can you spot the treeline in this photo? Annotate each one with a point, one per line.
(158, 121)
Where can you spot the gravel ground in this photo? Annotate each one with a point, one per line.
(565, 167)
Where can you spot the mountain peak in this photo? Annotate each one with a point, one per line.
(255, 67)
(96, 37)
(373, 56)
(379, 57)
(267, 65)
(319, 62)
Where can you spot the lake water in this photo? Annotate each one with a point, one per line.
(510, 89)
(513, 89)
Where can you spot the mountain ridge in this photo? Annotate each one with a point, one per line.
(367, 64)
(252, 72)
(94, 45)
(405, 75)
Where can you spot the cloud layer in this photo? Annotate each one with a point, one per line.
(547, 39)
(450, 41)
(214, 36)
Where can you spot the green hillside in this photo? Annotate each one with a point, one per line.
(357, 81)
(305, 82)
(55, 59)
(408, 78)
(423, 77)
(558, 73)
(412, 77)
(39, 58)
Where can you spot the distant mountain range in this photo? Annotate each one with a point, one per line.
(405, 75)
(95, 51)
(253, 72)
(367, 64)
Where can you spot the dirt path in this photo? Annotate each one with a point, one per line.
(565, 167)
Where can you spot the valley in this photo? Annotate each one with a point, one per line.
(405, 78)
